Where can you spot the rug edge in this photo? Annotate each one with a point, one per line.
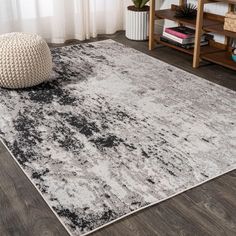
(158, 202)
(44, 199)
(149, 205)
(122, 217)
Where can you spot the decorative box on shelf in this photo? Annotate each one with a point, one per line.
(230, 22)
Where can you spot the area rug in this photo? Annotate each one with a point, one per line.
(115, 131)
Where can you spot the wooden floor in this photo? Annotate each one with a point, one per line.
(207, 210)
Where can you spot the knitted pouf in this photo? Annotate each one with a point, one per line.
(25, 60)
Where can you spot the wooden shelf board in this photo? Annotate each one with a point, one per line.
(209, 49)
(157, 39)
(204, 49)
(208, 24)
(226, 1)
(169, 14)
(222, 58)
(219, 29)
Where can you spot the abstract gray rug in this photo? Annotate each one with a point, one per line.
(115, 131)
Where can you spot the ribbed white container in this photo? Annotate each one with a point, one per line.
(137, 25)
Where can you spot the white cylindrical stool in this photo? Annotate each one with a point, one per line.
(25, 60)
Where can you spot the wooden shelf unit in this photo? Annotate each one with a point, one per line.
(205, 22)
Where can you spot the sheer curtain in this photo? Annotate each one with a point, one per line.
(59, 20)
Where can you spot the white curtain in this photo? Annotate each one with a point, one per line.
(59, 20)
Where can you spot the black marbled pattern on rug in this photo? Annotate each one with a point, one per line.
(115, 130)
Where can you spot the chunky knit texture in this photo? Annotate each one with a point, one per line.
(25, 60)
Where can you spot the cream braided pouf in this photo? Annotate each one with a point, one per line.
(25, 60)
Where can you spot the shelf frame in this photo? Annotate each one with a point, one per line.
(198, 34)
(152, 24)
(205, 22)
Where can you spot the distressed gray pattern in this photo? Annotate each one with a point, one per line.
(115, 130)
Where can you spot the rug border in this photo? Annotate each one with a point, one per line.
(45, 200)
(157, 202)
(120, 218)
(149, 205)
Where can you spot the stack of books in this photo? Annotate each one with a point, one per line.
(182, 36)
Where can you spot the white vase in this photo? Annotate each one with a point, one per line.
(137, 25)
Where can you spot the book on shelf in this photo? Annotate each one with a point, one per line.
(182, 40)
(182, 32)
(186, 46)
